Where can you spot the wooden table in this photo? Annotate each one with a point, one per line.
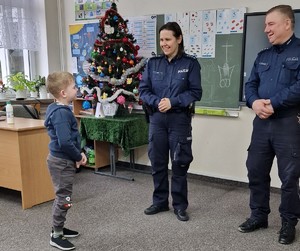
(23, 153)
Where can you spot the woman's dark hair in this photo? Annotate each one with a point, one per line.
(175, 28)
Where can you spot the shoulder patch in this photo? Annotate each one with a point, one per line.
(156, 56)
(190, 56)
(264, 49)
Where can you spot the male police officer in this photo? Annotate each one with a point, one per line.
(273, 92)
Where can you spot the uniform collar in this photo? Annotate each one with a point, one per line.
(177, 57)
(281, 47)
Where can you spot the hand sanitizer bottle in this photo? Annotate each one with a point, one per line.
(9, 113)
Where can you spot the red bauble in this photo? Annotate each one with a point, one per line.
(125, 39)
(124, 60)
(103, 53)
(137, 47)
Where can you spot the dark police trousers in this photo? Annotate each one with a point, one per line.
(62, 172)
(272, 137)
(170, 135)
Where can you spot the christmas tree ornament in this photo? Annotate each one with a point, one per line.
(86, 105)
(121, 100)
(104, 95)
(129, 81)
(113, 81)
(135, 91)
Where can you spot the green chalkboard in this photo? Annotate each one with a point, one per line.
(220, 76)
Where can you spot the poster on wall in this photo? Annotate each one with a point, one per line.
(144, 30)
(82, 38)
(90, 9)
(230, 20)
(200, 28)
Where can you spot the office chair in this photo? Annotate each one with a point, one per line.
(25, 111)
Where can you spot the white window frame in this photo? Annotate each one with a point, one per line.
(28, 61)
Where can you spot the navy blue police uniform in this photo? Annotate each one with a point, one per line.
(170, 133)
(276, 76)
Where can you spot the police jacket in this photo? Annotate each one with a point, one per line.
(179, 80)
(276, 76)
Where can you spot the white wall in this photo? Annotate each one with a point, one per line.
(219, 143)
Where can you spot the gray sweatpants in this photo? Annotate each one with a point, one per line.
(62, 172)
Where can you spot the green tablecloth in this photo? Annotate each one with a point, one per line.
(127, 131)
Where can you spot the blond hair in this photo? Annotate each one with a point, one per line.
(58, 81)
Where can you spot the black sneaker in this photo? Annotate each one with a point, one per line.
(154, 209)
(181, 214)
(62, 243)
(287, 233)
(67, 233)
(251, 225)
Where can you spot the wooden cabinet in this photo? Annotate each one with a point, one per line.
(79, 110)
(101, 148)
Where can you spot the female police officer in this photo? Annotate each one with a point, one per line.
(170, 85)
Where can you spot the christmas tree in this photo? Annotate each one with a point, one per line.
(114, 69)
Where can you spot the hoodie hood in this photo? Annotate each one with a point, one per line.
(51, 109)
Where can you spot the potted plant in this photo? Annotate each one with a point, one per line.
(33, 88)
(20, 84)
(3, 90)
(41, 86)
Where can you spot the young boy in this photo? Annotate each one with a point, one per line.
(64, 153)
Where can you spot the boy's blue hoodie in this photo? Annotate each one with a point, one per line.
(63, 131)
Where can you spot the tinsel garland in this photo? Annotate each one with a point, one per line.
(116, 82)
(109, 99)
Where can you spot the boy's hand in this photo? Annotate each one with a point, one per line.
(82, 161)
